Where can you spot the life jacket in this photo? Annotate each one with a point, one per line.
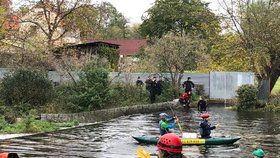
(185, 96)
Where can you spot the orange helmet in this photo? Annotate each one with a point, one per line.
(170, 142)
(205, 115)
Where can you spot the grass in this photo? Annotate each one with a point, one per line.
(30, 125)
(276, 88)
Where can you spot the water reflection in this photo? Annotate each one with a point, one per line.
(113, 139)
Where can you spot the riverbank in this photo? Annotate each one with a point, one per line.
(70, 121)
(107, 114)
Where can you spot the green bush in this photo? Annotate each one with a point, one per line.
(26, 89)
(28, 124)
(93, 88)
(122, 94)
(90, 92)
(274, 103)
(169, 92)
(247, 97)
(64, 100)
(199, 90)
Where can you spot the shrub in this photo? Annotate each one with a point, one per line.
(122, 94)
(247, 97)
(93, 88)
(64, 101)
(26, 89)
(91, 91)
(29, 124)
(199, 90)
(169, 92)
(274, 103)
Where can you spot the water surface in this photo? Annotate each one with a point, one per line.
(112, 139)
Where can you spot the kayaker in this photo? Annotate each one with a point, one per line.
(170, 146)
(201, 105)
(166, 122)
(258, 153)
(205, 127)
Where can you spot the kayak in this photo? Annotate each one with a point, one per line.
(191, 141)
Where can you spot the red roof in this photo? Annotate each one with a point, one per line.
(127, 47)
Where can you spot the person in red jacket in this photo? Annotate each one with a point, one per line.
(185, 99)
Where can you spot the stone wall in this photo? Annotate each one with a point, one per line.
(107, 114)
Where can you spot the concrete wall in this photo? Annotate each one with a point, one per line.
(218, 85)
(107, 114)
(223, 85)
(197, 78)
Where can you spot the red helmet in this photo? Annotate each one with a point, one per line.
(170, 142)
(205, 115)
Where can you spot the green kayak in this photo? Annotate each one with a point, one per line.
(191, 141)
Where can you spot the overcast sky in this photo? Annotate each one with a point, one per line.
(134, 9)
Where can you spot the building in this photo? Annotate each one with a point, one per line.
(85, 51)
(79, 50)
(128, 47)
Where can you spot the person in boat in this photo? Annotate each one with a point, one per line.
(258, 153)
(205, 127)
(185, 99)
(166, 123)
(170, 146)
(201, 105)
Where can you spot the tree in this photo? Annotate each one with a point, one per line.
(258, 25)
(99, 21)
(49, 16)
(2, 21)
(112, 24)
(179, 17)
(228, 54)
(175, 54)
(133, 32)
(85, 20)
(4, 10)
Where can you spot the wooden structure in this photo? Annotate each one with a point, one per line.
(79, 50)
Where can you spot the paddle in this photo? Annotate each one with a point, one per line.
(177, 119)
(141, 153)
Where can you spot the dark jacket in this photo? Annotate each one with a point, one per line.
(159, 87)
(205, 129)
(139, 82)
(148, 84)
(188, 85)
(201, 105)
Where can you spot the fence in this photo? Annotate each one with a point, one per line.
(224, 84)
(218, 85)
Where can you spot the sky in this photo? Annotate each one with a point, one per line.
(134, 9)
